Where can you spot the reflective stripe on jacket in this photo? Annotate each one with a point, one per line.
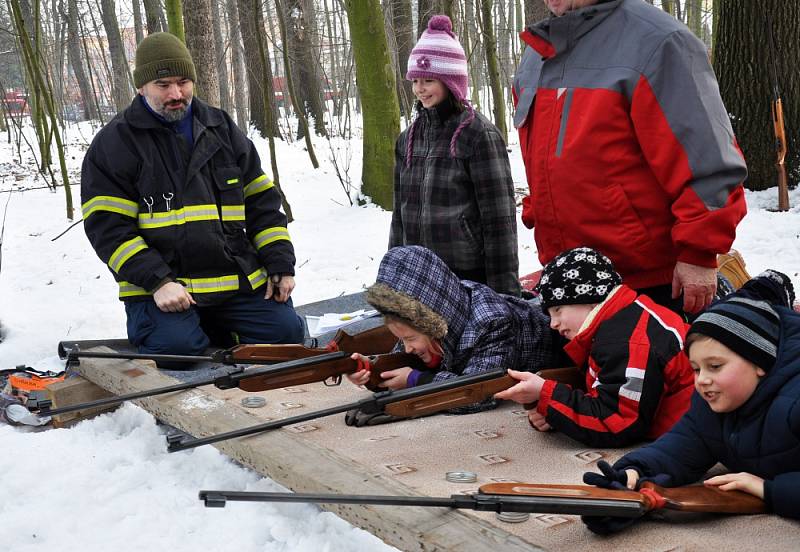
(209, 218)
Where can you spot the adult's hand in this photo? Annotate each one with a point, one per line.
(282, 290)
(526, 391)
(173, 297)
(698, 283)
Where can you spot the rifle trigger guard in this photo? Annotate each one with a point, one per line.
(333, 381)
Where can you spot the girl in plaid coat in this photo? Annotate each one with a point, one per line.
(453, 191)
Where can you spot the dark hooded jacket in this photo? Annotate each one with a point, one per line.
(483, 330)
(762, 437)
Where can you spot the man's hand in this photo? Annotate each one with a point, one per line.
(526, 391)
(396, 379)
(538, 421)
(746, 482)
(173, 297)
(280, 291)
(698, 283)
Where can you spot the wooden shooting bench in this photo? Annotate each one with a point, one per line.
(412, 458)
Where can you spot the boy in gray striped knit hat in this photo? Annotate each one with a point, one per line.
(745, 413)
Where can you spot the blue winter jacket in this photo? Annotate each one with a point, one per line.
(485, 330)
(762, 437)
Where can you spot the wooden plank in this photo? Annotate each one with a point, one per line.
(302, 465)
(76, 390)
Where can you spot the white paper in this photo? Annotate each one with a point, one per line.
(330, 321)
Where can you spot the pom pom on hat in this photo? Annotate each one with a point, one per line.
(441, 23)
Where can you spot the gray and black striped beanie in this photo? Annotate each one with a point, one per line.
(747, 327)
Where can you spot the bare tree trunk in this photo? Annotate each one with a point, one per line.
(221, 64)
(154, 16)
(121, 76)
(299, 22)
(473, 53)
(402, 25)
(743, 65)
(200, 42)
(174, 10)
(251, 23)
(490, 47)
(377, 86)
(74, 49)
(239, 79)
(137, 21)
(299, 111)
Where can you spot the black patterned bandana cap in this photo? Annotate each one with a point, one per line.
(580, 276)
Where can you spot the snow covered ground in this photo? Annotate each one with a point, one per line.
(108, 483)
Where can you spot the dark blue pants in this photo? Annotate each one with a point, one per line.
(244, 318)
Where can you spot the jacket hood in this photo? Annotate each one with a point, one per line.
(415, 285)
(560, 33)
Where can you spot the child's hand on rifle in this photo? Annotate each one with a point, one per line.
(526, 391)
(746, 482)
(612, 478)
(361, 376)
(396, 379)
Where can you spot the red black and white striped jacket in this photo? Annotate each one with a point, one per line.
(626, 143)
(638, 380)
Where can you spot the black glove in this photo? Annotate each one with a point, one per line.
(358, 418)
(610, 479)
(607, 525)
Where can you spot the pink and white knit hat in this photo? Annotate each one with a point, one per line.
(439, 55)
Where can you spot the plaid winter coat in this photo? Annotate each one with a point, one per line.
(461, 207)
(485, 330)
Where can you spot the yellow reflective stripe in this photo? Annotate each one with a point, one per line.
(190, 213)
(258, 185)
(232, 212)
(270, 235)
(110, 203)
(257, 278)
(211, 285)
(232, 181)
(125, 252)
(127, 289)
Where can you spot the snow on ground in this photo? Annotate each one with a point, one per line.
(108, 483)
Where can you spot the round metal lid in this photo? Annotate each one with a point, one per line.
(461, 477)
(254, 401)
(513, 517)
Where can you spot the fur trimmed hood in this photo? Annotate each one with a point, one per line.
(415, 285)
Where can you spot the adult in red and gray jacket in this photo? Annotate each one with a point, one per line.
(628, 147)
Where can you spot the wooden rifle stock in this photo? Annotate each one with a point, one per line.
(375, 341)
(695, 498)
(778, 125)
(571, 376)
(449, 398)
(333, 369)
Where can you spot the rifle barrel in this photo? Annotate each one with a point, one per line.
(479, 502)
(376, 403)
(226, 381)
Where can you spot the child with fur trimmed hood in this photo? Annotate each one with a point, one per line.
(638, 382)
(457, 327)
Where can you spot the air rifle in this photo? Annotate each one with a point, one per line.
(779, 128)
(323, 367)
(537, 498)
(406, 403)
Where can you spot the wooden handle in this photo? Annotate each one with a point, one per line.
(375, 341)
(570, 491)
(451, 398)
(299, 376)
(699, 498)
(571, 376)
(273, 353)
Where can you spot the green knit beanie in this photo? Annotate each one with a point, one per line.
(162, 55)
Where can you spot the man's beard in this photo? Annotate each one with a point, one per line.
(174, 115)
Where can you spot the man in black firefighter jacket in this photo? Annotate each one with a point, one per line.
(176, 204)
